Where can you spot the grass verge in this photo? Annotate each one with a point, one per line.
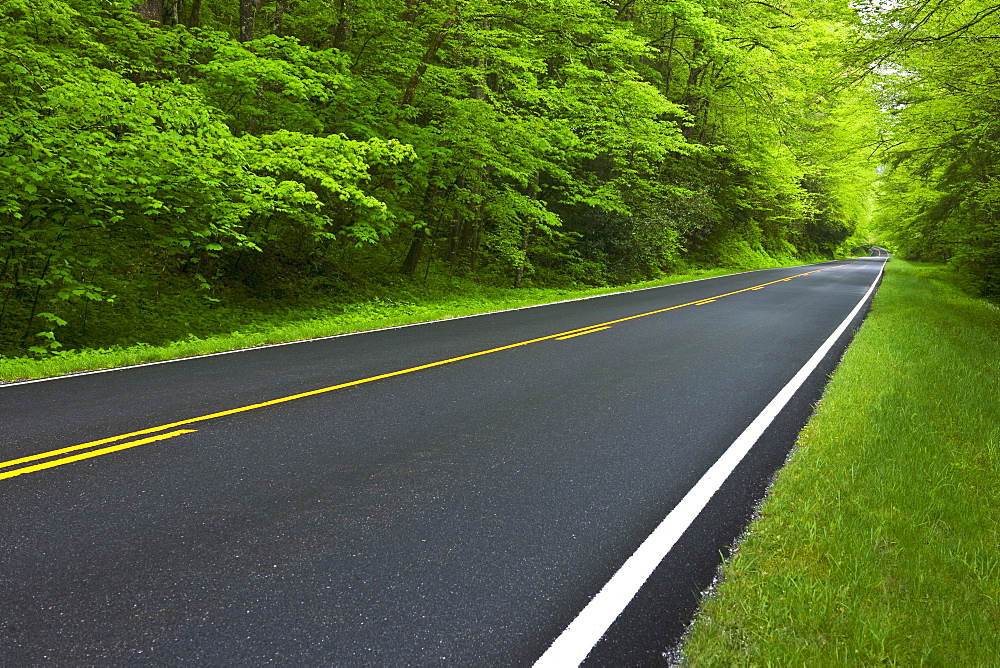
(419, 303)
(880, 540)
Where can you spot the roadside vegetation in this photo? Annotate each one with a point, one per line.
(878, 542)
(173, 169)
(167, 164)
(404, 303)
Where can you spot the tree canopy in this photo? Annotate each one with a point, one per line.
(202, 152)
(937, 68)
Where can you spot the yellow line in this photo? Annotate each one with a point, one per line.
(53, 453)
(589, 331)
(323, 390)
(273, 402)
(700, 301)
(92, 453)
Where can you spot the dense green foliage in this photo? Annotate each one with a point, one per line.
(402, 302)
(169, 160)
(939, 66)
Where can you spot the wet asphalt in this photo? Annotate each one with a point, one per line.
(457, 514)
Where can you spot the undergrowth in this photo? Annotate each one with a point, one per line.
(401, 303)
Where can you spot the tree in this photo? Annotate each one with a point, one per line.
(937, 70)
(213, 152)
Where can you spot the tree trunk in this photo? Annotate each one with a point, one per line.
(415, 251)
(526, 236)
(432, 49)
(457, 232)
(279, 13)
(668, 70)
(420, 235)
(8, 292)
(33, 311)
(524, 261)
(479, 65)
(247, 11)
(150, 10)
(172, 12)
(455, 238)
(693, 99)
(344, 30)
(474, 245)
(194, 16)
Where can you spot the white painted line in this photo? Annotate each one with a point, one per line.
(382, 329)
(579, 638)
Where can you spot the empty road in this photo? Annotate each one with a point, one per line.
(450, 493)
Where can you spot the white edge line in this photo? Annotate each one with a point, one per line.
(578, 639)
(384, 329)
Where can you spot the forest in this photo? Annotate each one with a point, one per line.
(177, 159)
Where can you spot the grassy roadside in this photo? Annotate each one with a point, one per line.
(880, 541)
(421, 303)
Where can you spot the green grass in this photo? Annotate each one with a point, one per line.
(880, 540)
(412, 303)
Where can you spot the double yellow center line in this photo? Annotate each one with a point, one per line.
(93, 450)
(85, 455)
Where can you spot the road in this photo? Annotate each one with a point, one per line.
(454, 492)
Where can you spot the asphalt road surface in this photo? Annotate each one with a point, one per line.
(453, 493)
